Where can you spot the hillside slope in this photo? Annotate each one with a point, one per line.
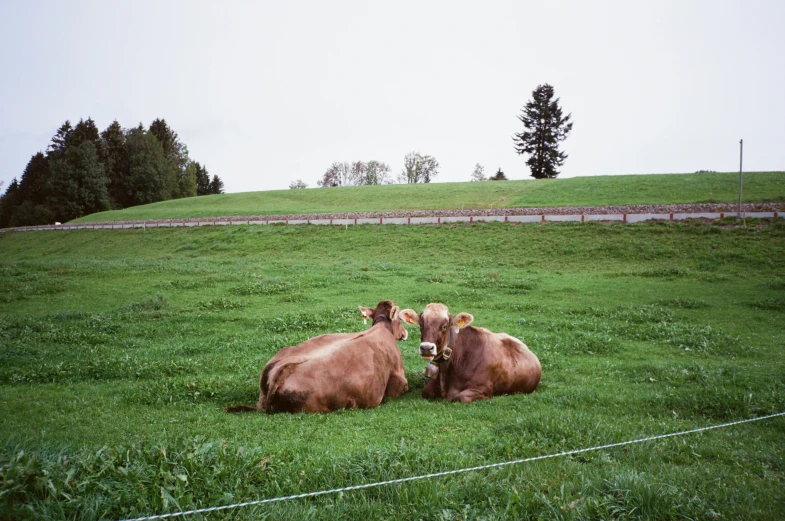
(579, 191)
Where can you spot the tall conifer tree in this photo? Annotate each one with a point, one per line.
(60, 140)
(32, 185)
(545, 129)
(216, 185)
(202, 180)
(114, 156)
(150, 173)
(175, 151)
(77, 186)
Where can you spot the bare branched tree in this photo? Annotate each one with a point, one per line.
(478, 174)
(376, 173)
(418, 168)
(357, 173)
(332, 177)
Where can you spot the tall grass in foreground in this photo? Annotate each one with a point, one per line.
(119, 350)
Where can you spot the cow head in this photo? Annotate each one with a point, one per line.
(437, 328)
(388, 313)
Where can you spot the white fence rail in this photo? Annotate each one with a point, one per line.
(543, 218)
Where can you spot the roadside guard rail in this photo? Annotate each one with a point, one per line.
(543, 218)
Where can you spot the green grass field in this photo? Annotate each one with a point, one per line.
(119, 350)
(577, 191)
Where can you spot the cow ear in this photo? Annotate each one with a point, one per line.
(366, 313)
(410, 316)
(394, 312)
(462, 320)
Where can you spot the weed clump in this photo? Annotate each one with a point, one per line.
(494, 281)
(665, 273)
(220, 304)
(156, 303)
(683, 303)
(771, 304)
(258, 288)
(776, 284)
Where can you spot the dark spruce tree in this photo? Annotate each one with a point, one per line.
(8, 204)
(85, 130)
(150, 174)
(216, 185)
(175, 151)
(77, 185)
(114, 156)
(545, 128)
(32, 185)
(202, 179)
(32, 194)
(60, 140)
(498, 176)
(187, 181)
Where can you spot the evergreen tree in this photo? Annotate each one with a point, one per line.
(187, 181)
(31, 194)
(545, 128)
(60, 140)
(175, 151)
(202, 180)
(150, 173)
(216, 185)
(114, 156)
(77, 185)
(29, 214)
(32, 185)
(8, 204)
(85, 130)
(498, 176)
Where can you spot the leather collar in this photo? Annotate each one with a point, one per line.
(447, 351)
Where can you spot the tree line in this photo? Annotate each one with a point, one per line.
(85, 171)
(417, 168)
(545, 126)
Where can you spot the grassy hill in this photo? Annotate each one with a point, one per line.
(119, 350)
(577, 191)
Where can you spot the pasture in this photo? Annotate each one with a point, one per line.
(576, 191)
(119, 350)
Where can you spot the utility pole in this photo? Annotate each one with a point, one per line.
(741, 152)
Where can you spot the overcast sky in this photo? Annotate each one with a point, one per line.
(267, 92)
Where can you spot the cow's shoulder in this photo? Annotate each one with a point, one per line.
(509, 341)
(481, 340)
(478, 337)
(475, 334)
(326, 339)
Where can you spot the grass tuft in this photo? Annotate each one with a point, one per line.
(771, 304)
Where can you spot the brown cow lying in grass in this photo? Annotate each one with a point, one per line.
(468, 363)
(337, 371)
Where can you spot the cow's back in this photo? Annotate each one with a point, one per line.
(281, 365)
(335, 372)
(492, 364)
(522, 366)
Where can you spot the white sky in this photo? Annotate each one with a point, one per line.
(267, 92)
